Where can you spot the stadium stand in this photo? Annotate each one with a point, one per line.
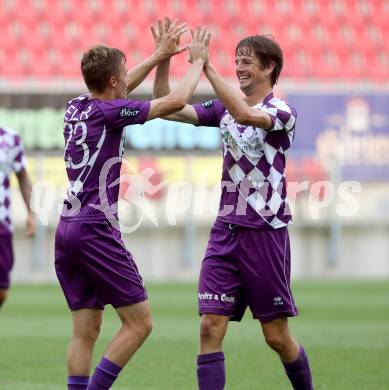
(326, 40)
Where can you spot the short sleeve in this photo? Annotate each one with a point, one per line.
(123, 112)
(210, 113)
(282, 115)
(18, 158)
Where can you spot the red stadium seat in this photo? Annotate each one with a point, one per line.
(44, 65)
(353, 66)
(378, 69)
(68, 63)
(185, 11)
(339, 39)
(380, 14)
(11, 66)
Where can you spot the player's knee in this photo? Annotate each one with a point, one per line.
(95, 330)
(89, 332)
(146, 327)
(141, 328)
(276, 341)
(210, 328)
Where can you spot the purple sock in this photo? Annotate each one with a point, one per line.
(299, 372)
(105, 374)
(77, 382)
(211, 374)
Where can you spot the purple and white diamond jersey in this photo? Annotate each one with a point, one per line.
(12, 159)
(253, 178)
(94, 144)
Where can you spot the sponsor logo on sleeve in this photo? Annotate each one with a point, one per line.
(128, 113)
(208, 103)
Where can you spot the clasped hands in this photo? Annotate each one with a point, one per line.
(167, 35)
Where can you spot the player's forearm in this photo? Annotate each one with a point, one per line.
(184, 91)
(137, 74)
(161, 82)
(235, 105)
(26, 191)
(187, 115)
(178, 98)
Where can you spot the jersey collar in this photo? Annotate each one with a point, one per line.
(265, 101)
(268, 98)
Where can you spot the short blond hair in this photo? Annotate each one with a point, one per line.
(100, 63)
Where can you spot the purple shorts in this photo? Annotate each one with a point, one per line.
(94, 267)
(246, 267)
(6, 260)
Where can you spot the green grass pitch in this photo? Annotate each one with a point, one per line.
(344, 327)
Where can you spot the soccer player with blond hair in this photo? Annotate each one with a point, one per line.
(93, 266)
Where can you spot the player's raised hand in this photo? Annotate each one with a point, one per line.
(167, 36)
(159, 30)
(207, 40)
(198, 49)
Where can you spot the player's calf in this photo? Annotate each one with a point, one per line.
(292, 355)
(136, 327)
(86, 328)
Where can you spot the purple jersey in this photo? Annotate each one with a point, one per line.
(253, 179)
(12, 159)
(94, 144)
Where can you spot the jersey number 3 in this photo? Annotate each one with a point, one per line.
(80, 142)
